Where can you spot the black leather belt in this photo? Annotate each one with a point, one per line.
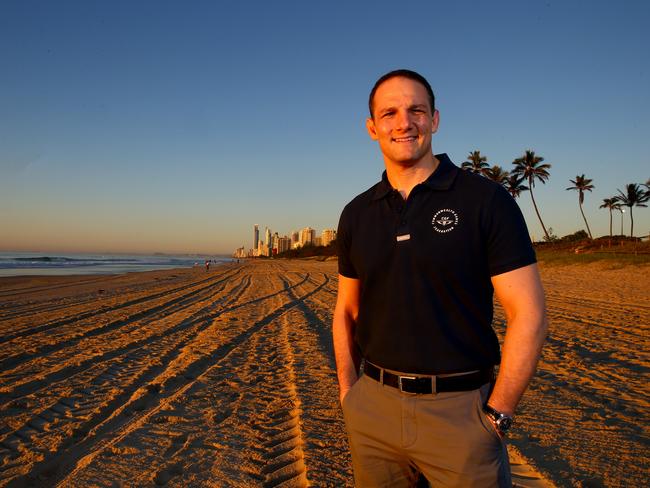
(429, 384)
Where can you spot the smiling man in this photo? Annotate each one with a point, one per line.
(421, 254)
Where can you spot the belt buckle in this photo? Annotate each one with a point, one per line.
(399, 382)
(434, 389)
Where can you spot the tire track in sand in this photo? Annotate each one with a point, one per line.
(59, 364)
(49, 344)
(145, 402)
(95, 394)
(91, 304)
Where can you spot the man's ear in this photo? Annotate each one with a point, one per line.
(435, 122)
(370, 127)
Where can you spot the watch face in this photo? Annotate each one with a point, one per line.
(504, 424)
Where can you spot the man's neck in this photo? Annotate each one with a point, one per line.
(404, 178)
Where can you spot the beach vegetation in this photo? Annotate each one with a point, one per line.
(580, 235)
(310, 251)
(610, 204)
(633, 196)
(577, 248)
(476, 163)
(550, 236)
(531, 168)
(514, 185)
(582, 184)
(497, 174)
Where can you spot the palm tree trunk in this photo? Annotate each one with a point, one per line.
(610, 223)
(585, 219)
(530, 186)
(622, 235)
(609, 244)
(631, 223)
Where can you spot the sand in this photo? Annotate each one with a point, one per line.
(585, 418)
(226, 378)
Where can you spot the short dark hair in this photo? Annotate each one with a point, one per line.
(403, 73)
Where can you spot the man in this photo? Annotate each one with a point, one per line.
(420, 255)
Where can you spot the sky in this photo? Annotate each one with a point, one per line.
(176, 126)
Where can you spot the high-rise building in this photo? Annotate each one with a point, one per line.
(307, 236)
(275, 243)
(295, 239)
(284, 244)
(256, 236)
(267, 237)
(328, 236)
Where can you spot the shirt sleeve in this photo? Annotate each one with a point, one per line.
(509, 245)
(343, 245)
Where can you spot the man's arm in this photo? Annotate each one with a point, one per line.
(345, 318)
(522, 297)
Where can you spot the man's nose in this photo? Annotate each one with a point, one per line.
(403, 120)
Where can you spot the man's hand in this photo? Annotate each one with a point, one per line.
(343, 393)
(494, 426)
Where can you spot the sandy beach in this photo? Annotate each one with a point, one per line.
(226, 378)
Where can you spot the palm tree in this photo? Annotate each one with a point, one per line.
(633, 196)
(528, 167)
(496, 173)
(475, 163)
(582, 184)
(610, 204)
(514, 185)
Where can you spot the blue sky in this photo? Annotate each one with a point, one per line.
(176, 126)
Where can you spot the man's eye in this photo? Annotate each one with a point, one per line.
(387, 114)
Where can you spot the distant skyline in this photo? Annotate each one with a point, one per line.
(171, 127)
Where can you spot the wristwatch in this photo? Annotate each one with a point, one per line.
(502, 421)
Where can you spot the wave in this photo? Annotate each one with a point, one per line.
(44, 259)
(58, 259)
(110, 263)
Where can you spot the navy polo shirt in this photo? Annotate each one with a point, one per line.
(425, 266)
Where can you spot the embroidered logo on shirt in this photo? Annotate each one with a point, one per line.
(444, 220)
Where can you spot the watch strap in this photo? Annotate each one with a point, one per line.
(502, 421)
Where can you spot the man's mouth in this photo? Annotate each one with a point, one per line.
(405, 139)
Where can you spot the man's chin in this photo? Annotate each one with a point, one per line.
(409, 161)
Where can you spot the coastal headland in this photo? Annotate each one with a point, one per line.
(226, 377)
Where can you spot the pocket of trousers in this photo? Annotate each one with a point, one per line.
(348, 395)
(483, 418)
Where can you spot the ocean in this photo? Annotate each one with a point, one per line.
(31, 263)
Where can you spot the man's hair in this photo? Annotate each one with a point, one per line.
(403, 73)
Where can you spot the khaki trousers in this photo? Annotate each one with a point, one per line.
(445, 436)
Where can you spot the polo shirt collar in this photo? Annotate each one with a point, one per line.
(441, 179)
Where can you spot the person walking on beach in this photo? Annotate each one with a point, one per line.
(420, 255)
